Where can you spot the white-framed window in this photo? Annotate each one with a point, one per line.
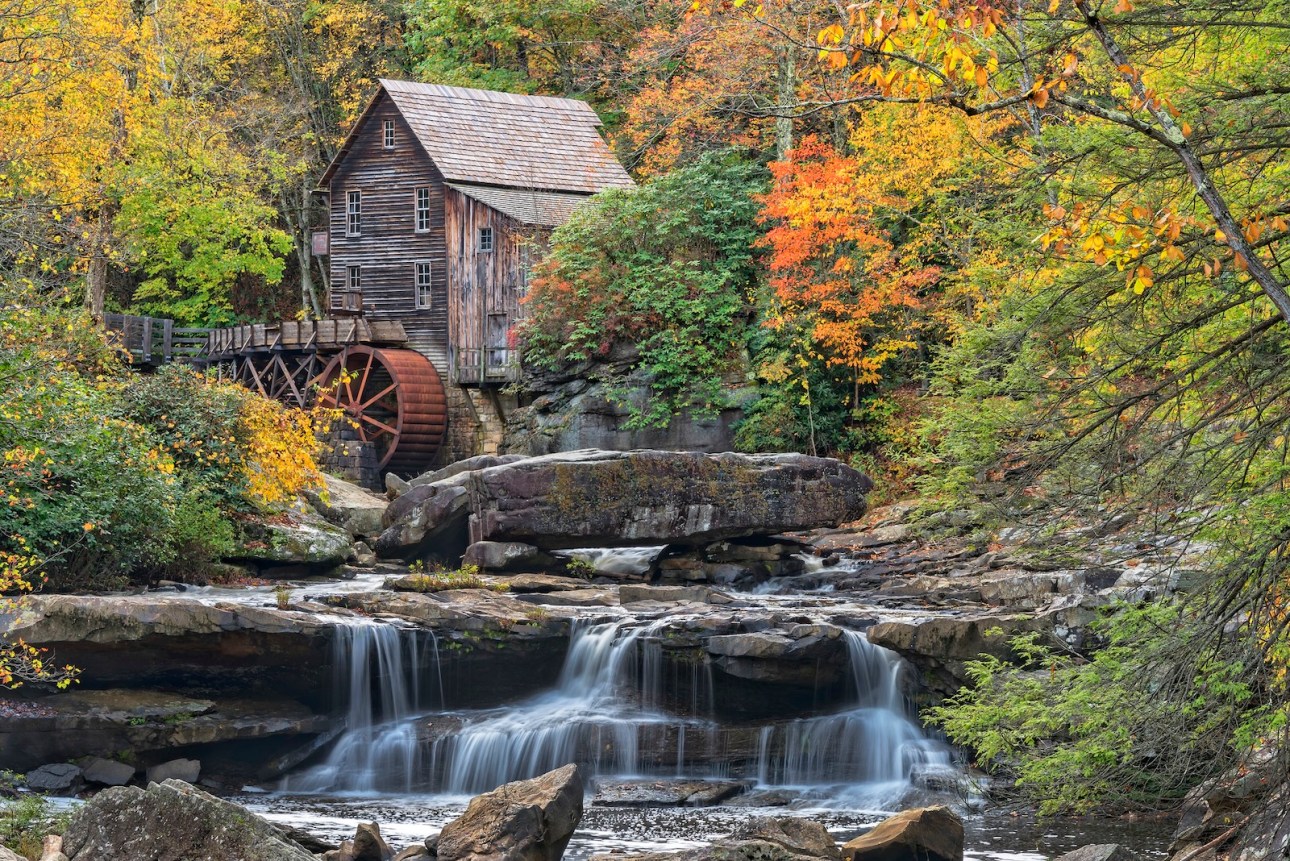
(423, 210)
(354, 213)
(354, 278)
(389, 134)
(485, 239)
(422, 282)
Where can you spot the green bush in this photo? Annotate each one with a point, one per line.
(667, 269)
(88, 491)
(1133, 726)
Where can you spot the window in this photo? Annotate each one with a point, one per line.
(354, 278)
(485, 239)
(423, 210)
(389, 134)
(423, 294)
(354, 213)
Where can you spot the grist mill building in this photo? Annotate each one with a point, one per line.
(439, 200)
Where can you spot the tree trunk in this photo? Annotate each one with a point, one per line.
(787, 93)
(96, 276)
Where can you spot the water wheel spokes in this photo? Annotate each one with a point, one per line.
(393, 398)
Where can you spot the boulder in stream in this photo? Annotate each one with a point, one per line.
(594, 498)
(301, 541)
(349, 506)
(528, 820)
(926, 833)
(172, 820)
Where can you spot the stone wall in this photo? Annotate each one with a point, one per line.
(346, 456)
(476, 423)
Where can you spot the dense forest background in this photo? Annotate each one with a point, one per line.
(1028, 255)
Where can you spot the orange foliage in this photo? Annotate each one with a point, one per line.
(833, 265)
(695, 71)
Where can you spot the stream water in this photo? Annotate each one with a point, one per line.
(848, 768)
(605, 712)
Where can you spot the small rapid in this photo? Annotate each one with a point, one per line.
(875, 742)
(609, 712)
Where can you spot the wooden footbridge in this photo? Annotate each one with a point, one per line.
(392, 394)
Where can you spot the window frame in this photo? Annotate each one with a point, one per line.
(353, 212)
(418, 211)
(387, 135)
(417, 284)
(479, 240)
(354, 278)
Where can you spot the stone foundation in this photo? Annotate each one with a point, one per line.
(346, 456)
(476, 423)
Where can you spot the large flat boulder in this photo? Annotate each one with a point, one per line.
(44, 619)
(528, 820)
(596, 498)
(172, 820)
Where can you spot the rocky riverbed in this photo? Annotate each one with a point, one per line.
(780, 665)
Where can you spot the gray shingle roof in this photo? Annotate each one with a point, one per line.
(532, 142)
(543, 208)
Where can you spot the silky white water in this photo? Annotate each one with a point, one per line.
(606, 712)
(380, 669)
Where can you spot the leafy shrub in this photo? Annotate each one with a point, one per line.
(1079, 734)
(86, 490)
(244, 450)
(668, 269)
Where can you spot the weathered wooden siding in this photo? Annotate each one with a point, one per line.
(485, 284)
(389, 245)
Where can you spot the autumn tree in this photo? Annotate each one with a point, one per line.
(1131, 69)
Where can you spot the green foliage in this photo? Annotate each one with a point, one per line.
(193, 233)
(580, 568)
(198, 425)
(1129, 727)
(84, 489)
(108, 474)
(662, 274)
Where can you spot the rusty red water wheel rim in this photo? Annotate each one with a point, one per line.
(394, 399)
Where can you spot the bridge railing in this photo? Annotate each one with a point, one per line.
(157, 341)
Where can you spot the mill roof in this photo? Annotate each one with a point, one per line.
(527, 206)
(482, 137)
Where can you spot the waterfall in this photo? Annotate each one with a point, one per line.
(603, 712)
(876, 741)
(378, 668)
(609, 712)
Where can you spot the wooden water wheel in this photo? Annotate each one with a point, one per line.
(394, 398)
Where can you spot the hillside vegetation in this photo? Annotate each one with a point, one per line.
(1028, 256)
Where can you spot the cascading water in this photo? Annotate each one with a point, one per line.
(875, 742)
(607, 712)
(380, 669)
(604, 712)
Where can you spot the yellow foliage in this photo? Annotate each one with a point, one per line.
(281, 447)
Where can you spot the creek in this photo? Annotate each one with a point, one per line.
(409, 760)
